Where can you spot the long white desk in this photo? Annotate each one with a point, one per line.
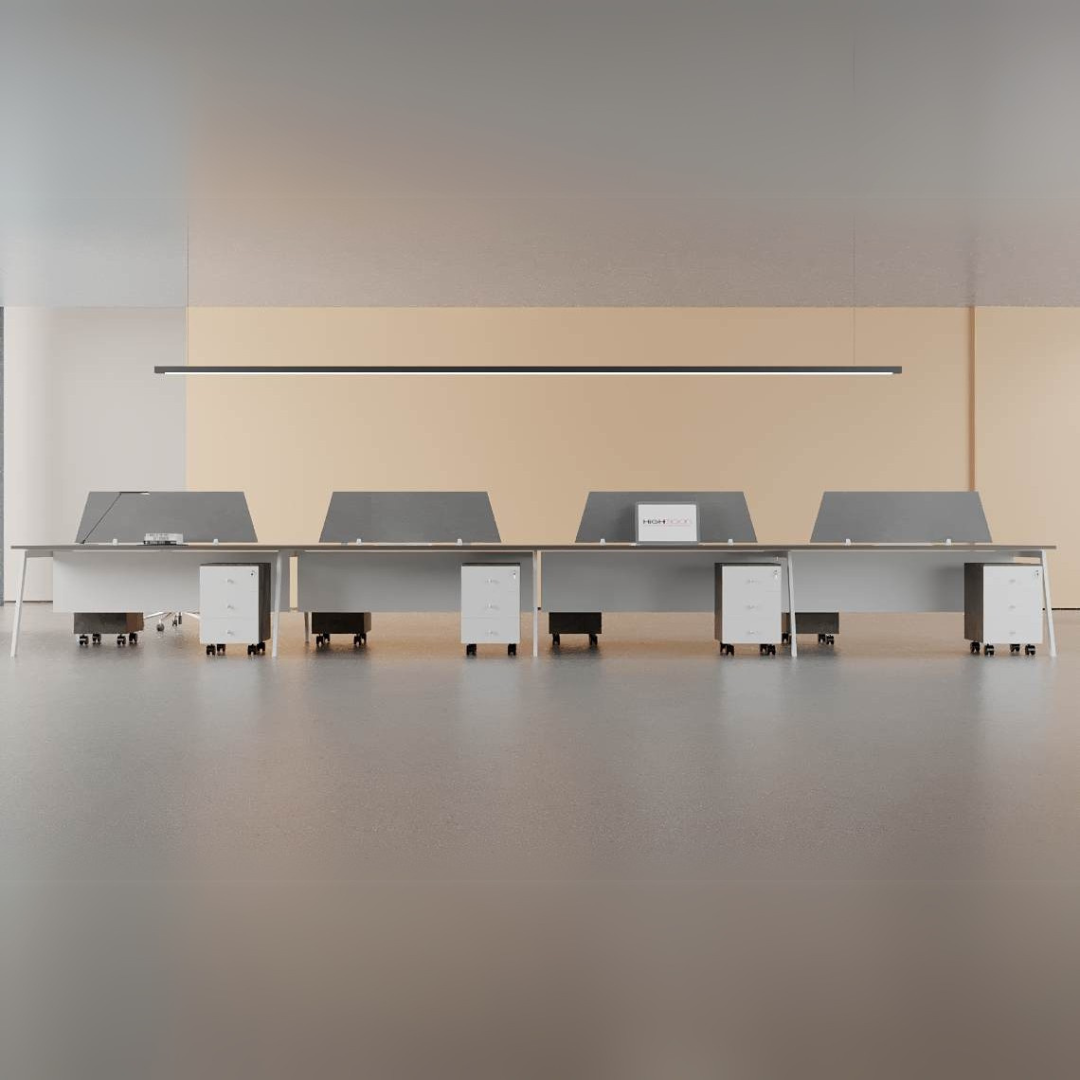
(856, 577)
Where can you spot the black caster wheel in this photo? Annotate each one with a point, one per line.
(830, 639)
(1029, 650)
(261, 648)
(1014, 648)
(318, 641)
(556, 641)
(221, 650)
(975, 647)
(726, 650)
(210, 650)
(594, 641)
(988, 650)
(785, 638)
(133, 639)
(121, 641)
(821, 639)
(470, 650)
(511, 650)
(95, 639)
(251, 650)
(357, 641)
(83, 640)
(176, 622)
(161, 627)
(763, 649)
(772, 650)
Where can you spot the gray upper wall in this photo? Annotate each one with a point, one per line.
(803, 152)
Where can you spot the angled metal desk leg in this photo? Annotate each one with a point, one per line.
(791, 605)
(1046, 599)
(18, 607)
(535, 602)
(277, 603)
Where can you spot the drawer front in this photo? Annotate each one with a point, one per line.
(228, 591)
(738, 628)
(751, 584)
(490, 591)
(233, 631)
(490, 605)
(1013, 604)
(490, 631)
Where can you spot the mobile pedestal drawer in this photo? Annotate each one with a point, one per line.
(490, 606)
(748, 606)
(234, 606)
(1003, 604)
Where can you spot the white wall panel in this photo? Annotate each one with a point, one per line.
(83, 410)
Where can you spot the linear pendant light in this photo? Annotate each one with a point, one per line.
(523, 369)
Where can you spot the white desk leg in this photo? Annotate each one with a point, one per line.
(18, 607)
(791, 605)
(535, 603)
(1046, 599)
(307, 627)
(277, 602)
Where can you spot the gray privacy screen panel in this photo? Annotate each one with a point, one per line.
(901, 517)
(201, 516)
(410, 517)
(609, 515)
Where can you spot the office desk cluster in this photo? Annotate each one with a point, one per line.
(616, 577)
(355, 569)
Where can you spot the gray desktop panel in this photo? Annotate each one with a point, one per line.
(610, 515)
(201, 516)
(901, 517)
(410, 517)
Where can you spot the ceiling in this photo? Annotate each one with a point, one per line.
(822, 152)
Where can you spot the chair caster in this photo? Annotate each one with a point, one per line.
(221, 650)
(726, 650)
(1014, 648)
(830, 639)
(177, 621)
(1029, 650)
(251, 650)
(975, 647)
(321, 640)
(470, 650)
(84, 641)
(359, 640)
(95, 639)
(594, 641)
(210, 650)
(767, 650)
(821, 639)
(511, 650)
(121, 641)
(988, 650)
(785, 638)
(161, 627)
(556, 641)
(133, 639)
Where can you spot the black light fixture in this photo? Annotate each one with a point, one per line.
(524, 369)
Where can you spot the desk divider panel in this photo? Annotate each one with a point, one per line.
(901, 517)
(410, 517)
(201, 516)
(609, 515)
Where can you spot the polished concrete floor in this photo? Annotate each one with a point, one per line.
(640, 861)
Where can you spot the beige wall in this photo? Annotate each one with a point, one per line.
(1027, 395)
(538, 444)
